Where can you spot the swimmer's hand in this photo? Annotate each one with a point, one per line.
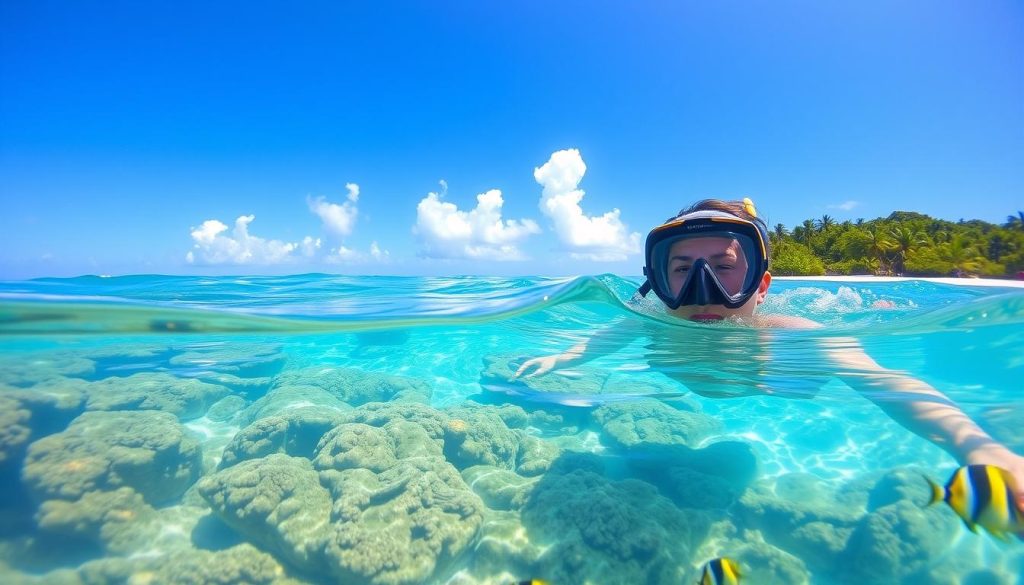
(1000, 456)
(541, 365)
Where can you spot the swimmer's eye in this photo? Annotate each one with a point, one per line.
(682, 268)
(725, 267)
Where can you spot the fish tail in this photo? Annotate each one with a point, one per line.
(938, 494)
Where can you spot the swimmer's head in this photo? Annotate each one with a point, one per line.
(709, 262)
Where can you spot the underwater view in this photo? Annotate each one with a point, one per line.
(372, 430)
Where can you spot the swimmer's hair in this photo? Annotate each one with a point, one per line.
(736, 208)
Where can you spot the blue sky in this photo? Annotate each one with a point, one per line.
(133, 134)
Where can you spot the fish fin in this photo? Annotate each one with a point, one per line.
(970, 525)
(938, 493)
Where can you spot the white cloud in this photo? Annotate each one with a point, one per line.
(377, 254)
(338, 218)
(447, 232)
(353, 192)
(310, 246)
(600, 238)
(845, 205)
(214, 246)
(343, 255)
(206, 233)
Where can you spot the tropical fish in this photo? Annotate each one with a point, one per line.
(532, 582)
(720, 571)
(982, 495)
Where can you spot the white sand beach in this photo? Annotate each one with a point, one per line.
(990, 282)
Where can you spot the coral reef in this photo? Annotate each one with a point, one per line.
(183, 397)
(813, 526)
(118, 520)
(356, 387)
(277, 502)
(379, 414)
(295, 433)
(403, 522)
(895, 541)
(243, 563)
(15, 431)
(32, 369)
(226, 409)
(535, 455)
(599, 530)
(379, 504)
(478, 436)
(500, 489)
(652, 422)
(290, 397)
(148, 451)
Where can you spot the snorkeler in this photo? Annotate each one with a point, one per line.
(710, 263)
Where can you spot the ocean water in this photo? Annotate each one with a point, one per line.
(334, 429)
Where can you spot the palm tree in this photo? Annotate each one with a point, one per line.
(1015, 221)
(905, 239)
(779, 232)
(808, 226)
(878, 245)
(996, 247)
(824, 223)
(941, 236)
(961, 254)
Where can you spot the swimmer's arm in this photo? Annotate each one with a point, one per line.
(604, 342)
(923, 410)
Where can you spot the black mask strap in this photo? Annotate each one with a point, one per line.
(644, 288)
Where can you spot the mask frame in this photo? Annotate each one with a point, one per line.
(702, 286)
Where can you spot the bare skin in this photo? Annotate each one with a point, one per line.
(912, 403)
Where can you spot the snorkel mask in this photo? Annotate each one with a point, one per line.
(706, 258)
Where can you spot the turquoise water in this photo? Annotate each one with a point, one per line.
(330, 429)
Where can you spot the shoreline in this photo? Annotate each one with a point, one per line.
(984, 282)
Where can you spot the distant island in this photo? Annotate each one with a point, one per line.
(904, 244)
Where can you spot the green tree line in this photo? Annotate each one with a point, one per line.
(905, 243)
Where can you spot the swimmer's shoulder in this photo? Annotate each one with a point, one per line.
(787, 322)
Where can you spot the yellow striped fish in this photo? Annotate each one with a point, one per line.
(982, 495)
(720, 571)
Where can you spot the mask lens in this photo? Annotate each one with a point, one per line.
(728, 255)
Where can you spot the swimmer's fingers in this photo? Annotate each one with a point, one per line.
(542, 369)
(523, 368)
(542, 366)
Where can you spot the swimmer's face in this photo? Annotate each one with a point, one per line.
(726, 258)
